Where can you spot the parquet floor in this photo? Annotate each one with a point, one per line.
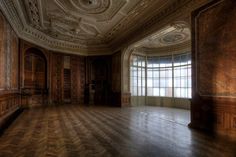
(73, 131)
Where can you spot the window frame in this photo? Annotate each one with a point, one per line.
(153, 70)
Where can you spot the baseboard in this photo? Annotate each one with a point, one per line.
(7, 119)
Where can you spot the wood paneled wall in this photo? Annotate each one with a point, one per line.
(98, 79)
(83, 71)
(214, 68)
(118, 98)
(77, 75)
(77, 64)
(57, 70)
(9, 71)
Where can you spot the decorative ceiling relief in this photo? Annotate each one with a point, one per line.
(98, 10)
(174, 34)
(33, 13)
(91, 6)
(89, 27)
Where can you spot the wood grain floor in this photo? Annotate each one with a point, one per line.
(72, 131)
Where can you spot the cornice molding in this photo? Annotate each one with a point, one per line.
(178, 11)
(120, 36)
(30, 34)
(179, 48)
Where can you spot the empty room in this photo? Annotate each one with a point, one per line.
(125, 78)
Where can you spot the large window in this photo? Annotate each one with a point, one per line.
(168, 76)
(159, 76)
(182, 76)
(138, 75)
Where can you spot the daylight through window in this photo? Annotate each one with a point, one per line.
(164, 76)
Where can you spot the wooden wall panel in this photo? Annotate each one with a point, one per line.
(116, 72)
(77, 79)
(98, 76)
(57, 70)
(116, 79)
(9, 71)
(34, 74)
(77, 72)
(14, 61)
(214, 68)
(2, 52)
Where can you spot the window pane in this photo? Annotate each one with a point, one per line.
(139, 91)
(143, 91)
(183, 92)
(149, 82)
(189, 82)
(177, 82)
(135, 91)
(189, 71)
(184, 59)
(189, 92)
(162, 73)
(155, 73)
(150, 91)
(149, 62)
(156, 82)
(162, 91)
(169, 73)
(169, 82)
(143, 72)
(184, 82)
(177, 92)
(176, 72)
(184, 71)
(139, 72)
(135, 61)
(139, 62)
(162, 82)
(139, 82)
(189, 58)
(143, 62)
(149, 73)
(155, 65)
(166, 61)
(168, 92)
(177, 60)
(155, 91)
(143, 82)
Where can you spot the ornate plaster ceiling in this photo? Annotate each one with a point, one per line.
(175, 34)
(84, 26)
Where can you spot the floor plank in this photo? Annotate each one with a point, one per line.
(72, 131)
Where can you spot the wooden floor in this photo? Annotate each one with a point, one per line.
(72, 131)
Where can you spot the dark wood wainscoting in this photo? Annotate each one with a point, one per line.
(9, 105)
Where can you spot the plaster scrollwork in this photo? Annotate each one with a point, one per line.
(73, 28)
(81, 32)
(33, 12)
(91, 6)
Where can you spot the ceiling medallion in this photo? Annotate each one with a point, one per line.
(91, 6)
(173, 37)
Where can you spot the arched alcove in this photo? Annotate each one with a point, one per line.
(35, 76)
(35, 69)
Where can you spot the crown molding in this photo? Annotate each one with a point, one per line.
(30, 34)
(120, 36)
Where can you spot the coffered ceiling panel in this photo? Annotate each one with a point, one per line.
(81, 26)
